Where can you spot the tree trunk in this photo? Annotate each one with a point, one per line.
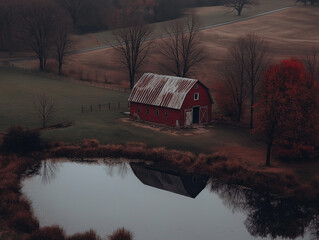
(131, 81)
(44, 62)
(60, 68)
(239, 10)
(252, 108)
(41, 64)
(239, 106)
(43, 122)
(269, 147)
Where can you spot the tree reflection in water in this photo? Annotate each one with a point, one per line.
(118, 168)
(268, 216)
(49, 170)
(46, 169)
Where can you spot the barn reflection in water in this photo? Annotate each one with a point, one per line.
(180, 183)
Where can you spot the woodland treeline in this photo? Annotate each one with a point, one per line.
(92, 15)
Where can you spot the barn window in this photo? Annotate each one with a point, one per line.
(139, 109)
(196, 96)
(196, 86)
(157, 112)
(166, 114)
(147, 110)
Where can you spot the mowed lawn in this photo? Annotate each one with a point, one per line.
(18, 88)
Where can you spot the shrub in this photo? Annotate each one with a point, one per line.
(24, 222)
(21, 140)
(121, 234)
(48, 233)
(90, 143)
(89, 235)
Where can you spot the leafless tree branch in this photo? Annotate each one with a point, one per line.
(312, 63)
(239, 5)
(235, 77)
(182, 49)
(133, 43)
(45, 108)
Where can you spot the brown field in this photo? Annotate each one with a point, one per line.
(207, 16)
(290, 33)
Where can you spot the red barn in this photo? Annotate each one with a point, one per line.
(172, 101)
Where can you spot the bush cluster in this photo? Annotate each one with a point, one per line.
(57, 233)
(121, 234)
(14, 208)
(20, 140)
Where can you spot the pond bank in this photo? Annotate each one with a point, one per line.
(277, 180)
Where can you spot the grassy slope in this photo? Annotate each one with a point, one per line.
(17, 89)
(207, 16)
(292, 32)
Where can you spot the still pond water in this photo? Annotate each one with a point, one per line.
(159, 205)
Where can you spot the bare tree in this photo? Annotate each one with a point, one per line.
(239, 5)
(312, 64)
(255, 62)
(182, 49)
(133, 43)
(45, 108)
(62, 39)
(37, 27)
(235, 77)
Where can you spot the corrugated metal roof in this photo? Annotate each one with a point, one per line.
(161, 90)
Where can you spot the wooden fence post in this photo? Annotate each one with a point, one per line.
(109, 106)
(91, 108)
(82, 109)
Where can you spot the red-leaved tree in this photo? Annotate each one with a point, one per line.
(288, 111)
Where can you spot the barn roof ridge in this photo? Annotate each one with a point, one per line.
(161, 90)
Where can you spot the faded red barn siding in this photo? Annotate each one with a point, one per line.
(170, 120)
(173, 98)
(172, 114)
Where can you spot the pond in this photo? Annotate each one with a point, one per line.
(158, 204)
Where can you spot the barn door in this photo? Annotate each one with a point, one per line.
(188, 117)
(195, 115)
(203, 115)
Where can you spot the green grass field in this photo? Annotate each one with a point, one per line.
(17, 89)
